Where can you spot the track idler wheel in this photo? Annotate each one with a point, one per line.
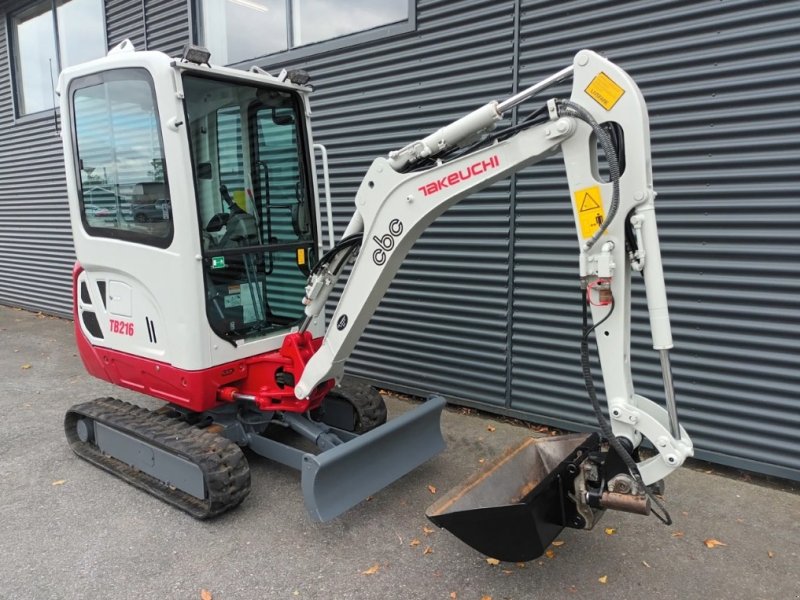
(353, 406)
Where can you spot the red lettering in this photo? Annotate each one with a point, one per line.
(458, 176)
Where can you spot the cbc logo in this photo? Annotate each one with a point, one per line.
(386, 242)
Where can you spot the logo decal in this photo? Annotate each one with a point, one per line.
(341, 323)
(386, 241)
(482, 166)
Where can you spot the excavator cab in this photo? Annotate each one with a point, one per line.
(196, 223)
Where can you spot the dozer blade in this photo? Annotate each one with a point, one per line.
(343, 476)
(516, 506)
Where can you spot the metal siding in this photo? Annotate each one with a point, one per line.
(721, 84)
(721, 87)
(36, 253)
(125, 20)
(167, 25)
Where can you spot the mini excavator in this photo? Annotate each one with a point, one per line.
(202, 279)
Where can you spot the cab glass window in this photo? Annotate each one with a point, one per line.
(255, 207)
(122, 174)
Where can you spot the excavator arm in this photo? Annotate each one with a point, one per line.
(602, 127)
(615, 222)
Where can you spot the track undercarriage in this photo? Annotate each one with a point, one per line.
(194, 461)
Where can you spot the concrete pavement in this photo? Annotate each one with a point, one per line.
(68, 530)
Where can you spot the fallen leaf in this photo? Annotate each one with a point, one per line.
(427, 530)
(414, 543)
(521, 565)
(486, 598)
(25, 366)
(428, 550)
(677, 534)
(296, 593)
(453, 595)
(549, 553)
(205, 595)
(610, 531)
(481, 460)
(558, 543)
(491, 428)
(712, 543)
(507, 572)
(603, 579)
(372, 570)
(770, 554)
(59, 482)
(646, 564)
(492, 561)
(432, 489)
(572, 589)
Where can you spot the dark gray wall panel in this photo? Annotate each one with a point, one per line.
(722, 87)
(446, 313)
(36, 253)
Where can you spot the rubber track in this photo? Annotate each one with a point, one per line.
(223, 464)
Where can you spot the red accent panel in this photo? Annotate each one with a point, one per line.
(207, 388)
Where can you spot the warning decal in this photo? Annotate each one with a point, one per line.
(603, 89)
(589, 208)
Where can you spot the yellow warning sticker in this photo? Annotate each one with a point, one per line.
(589, 207)
(604, 90)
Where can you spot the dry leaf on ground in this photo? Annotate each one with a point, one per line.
(646, 564)
(453, 595)
(428, 550)
(770, 554)
(491, 428)
(372, 570)
(677, 534)
(427, 530)
(507, 572)
(486, 598)
(603, 579)
(432, 489)
(59, 482)
(205, 595)
(521, 565)
(712, 543)
(558, 543)
(25, 367)
(414, 543)
(492, 561)
(549, 553)
(610, 531)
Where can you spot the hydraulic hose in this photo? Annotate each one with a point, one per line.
(571, 109)
(605, 426)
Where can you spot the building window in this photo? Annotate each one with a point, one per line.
(238, 30)
(124, 189)
(48, 37)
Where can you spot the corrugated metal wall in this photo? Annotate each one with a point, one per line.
(721, 85)
(486, 308)
(36, 254)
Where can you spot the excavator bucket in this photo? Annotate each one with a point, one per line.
(517, 505)
(338, 479)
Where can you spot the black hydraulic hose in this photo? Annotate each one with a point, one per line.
(605, 426)
(571, 109)
(347, 243)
